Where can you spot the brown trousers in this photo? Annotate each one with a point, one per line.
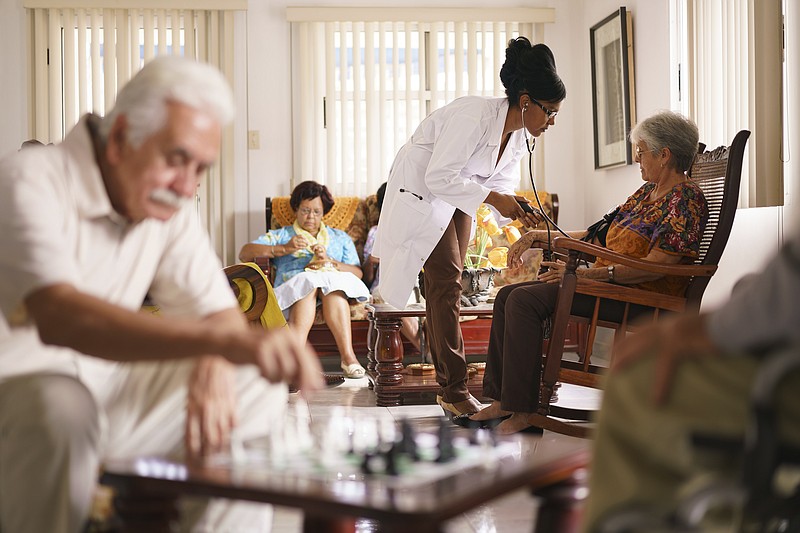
(442, 275)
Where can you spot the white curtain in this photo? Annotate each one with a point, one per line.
(83, 56)
(735, 83)
(364, 79)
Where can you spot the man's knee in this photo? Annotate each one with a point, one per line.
(49, 440)
(56, 407)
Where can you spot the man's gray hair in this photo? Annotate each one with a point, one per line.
(668, 129)
(143, 100)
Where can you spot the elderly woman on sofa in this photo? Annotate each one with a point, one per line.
(314, 263)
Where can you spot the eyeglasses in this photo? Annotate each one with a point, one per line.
(549, 112)
(639, 152)
(306, 211)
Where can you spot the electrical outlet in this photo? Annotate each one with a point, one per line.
(253, 140)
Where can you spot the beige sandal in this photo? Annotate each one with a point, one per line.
(353, 371)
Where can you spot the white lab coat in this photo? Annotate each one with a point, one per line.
(449, 163)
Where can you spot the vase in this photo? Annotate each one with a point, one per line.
(476, 285)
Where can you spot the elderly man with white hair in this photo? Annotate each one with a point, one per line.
(88, 227)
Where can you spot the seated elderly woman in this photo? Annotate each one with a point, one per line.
(314, 261)
(662, 221)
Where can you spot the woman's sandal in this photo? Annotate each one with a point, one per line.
(353, 371)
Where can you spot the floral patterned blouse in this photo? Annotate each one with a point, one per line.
(673, 224)
(340, 248)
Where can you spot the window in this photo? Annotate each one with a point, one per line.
(83, 56)
(731, 77)
(362, 87)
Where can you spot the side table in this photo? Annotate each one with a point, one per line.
(385, 355)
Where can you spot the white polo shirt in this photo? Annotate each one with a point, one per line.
(57, 225)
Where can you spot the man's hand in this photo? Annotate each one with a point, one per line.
(670, 340)
(210, 406)
(281, 355)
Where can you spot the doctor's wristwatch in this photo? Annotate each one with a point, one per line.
(611, 273)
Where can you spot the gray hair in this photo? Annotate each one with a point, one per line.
(671, 130)
(143, 100)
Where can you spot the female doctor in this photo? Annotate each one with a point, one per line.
(463, 154)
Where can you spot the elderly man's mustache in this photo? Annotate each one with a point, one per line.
(167, 197)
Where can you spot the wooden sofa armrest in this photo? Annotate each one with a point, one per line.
(264, 264)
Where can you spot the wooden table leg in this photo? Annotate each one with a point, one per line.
(371, 338)
(137, 512)
(319, 524)
(562, 504)
(389, 361)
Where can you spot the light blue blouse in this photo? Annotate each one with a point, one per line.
(340, 248)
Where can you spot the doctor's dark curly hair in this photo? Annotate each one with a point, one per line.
(531, 69)
(308, 190)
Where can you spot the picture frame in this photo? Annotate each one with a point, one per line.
(612, 89)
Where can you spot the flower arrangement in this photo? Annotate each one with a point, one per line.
(480, 252)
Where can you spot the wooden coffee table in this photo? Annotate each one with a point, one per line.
(148, 489)
(390, 379)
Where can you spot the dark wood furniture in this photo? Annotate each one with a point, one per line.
(148, 490)
(718, 173)
(390, 379)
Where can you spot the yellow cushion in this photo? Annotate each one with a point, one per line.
(349, 214)
(340, 216)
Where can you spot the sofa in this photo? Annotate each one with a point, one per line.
(356, 216)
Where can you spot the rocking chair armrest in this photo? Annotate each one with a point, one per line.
(581, 247)
(544, 245)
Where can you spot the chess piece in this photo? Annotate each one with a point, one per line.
(407, 443)
(446, 449)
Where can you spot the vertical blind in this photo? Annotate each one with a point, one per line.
(83, 56)
(364, 83)
(735, 83)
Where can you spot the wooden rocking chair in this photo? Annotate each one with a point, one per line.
(718, 173)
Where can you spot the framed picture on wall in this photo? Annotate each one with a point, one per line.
(612, 89)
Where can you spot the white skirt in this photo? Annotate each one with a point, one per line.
(303, 284)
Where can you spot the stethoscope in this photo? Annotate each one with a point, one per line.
(530, 144)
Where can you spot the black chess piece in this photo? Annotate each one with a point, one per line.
(366, 466)
(446, 449)
(407, 443)
(391, 460)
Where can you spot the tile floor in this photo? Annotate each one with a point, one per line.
(513, 513)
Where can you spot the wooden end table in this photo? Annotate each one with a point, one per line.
(385, 367)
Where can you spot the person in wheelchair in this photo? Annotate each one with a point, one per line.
(692, 375)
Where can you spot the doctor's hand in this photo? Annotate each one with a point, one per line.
(509, 206)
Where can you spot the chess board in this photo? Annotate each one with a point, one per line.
(395, 454)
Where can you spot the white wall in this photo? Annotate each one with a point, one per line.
(585, 193)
